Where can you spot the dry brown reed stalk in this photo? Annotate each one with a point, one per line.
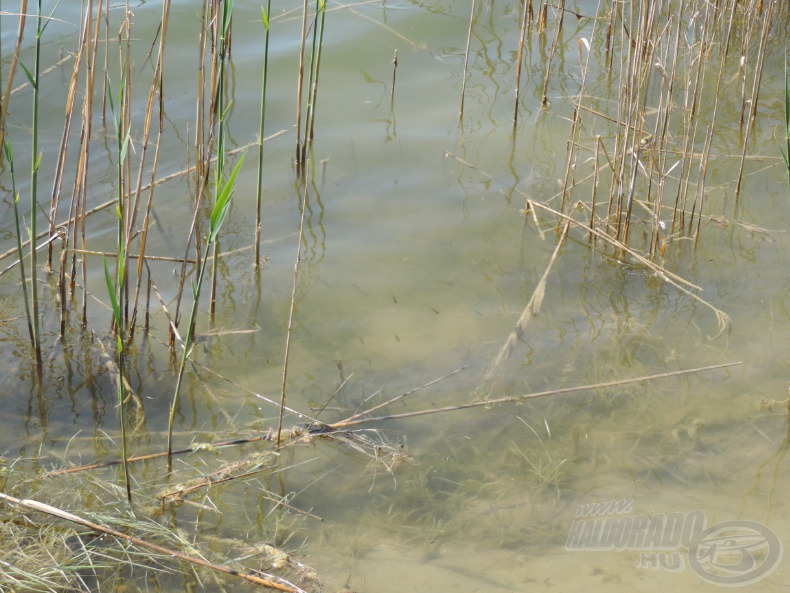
(41, 507)
(203, 144)
(757, 78)
(570, 164)
(214, 26)
(157, 88)
(135, 256)
(57, 184)
(392, 88)
(261, 129)
(69, 222)
(200, 109)
(466, 63)
(78, 205)
(666, 60)
(20, 35)
(681, 284)
(553, 50)
(526, 13)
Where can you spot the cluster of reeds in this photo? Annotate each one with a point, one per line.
(304, 136)
(653, 79)
(640, 158)
(99, 103)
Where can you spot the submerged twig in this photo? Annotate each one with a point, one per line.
(532, 308)
(343, 424)
(291, 313)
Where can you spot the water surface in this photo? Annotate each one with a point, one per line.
(417, 260)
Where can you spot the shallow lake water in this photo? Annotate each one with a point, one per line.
(418, 261)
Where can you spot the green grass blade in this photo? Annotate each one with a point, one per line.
(116, 310)
(222, 203)
(29, 76)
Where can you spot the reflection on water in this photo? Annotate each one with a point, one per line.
(417, 260)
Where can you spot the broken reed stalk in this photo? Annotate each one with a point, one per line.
(466, 60)
(532, 308)
(344, 424)
(684, 286)
(264, 80)
(221, 114)
(291, 312)
(317, 429)
(141, 543)
(218, 214)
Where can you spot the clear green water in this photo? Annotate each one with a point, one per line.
(414, 265)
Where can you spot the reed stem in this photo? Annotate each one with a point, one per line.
(9, 157)
(115, 287)
(264, 80)
(291, 313)
(218, 214)
(34, 165)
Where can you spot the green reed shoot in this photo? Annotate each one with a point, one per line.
(227, 11)
(218, 214)
(264, 79)
(116, 288)
(9, 157)
(35, 162)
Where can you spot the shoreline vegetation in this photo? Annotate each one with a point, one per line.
(640, 141)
